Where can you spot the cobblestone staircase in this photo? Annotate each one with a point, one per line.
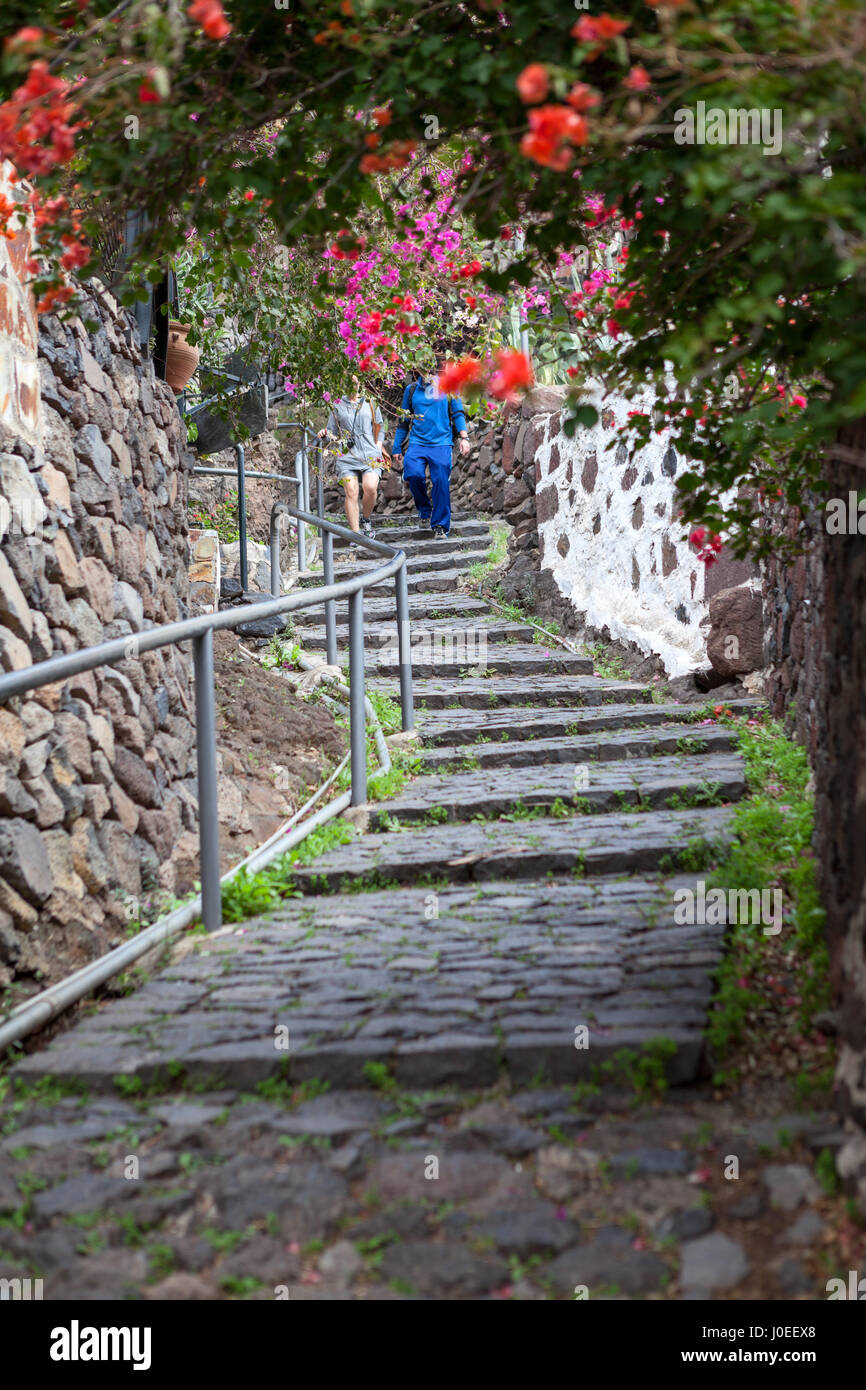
(556, 794)
(505, 926)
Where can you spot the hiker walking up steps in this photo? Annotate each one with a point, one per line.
(431, 422)
(357, 424)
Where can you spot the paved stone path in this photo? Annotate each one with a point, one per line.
(484, 980)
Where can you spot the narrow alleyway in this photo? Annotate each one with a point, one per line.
(440, 1069)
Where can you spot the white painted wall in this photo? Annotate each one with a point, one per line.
(596, 574)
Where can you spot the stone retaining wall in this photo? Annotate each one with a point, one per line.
(97, 772)
(815, 617)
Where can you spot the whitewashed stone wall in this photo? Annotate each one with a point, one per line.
(611, 537)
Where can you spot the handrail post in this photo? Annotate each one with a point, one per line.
(407, 703)
(274, 538)
(206, 757)
(357, 712)
(242, 512)
(302, 526)
(328, 567)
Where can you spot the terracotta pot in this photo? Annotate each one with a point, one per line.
(181, 359)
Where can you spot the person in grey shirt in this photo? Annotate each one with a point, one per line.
(358, 427)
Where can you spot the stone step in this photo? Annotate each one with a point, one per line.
(444, 988)
(647, 782)
(426, 581)
(618, 843)
(635, 742)
(379, 607)
(397, 532)
(427, 632)
(423, 545)
(478, 692)
(523, 661)
(428, 561)
(479, 726)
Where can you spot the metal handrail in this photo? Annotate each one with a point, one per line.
(200, 631)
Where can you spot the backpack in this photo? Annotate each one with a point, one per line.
(454, 430)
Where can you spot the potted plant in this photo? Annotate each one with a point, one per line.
(181, 357)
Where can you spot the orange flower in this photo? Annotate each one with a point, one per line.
(25, 38)
(582, 97)
(588, 30)
(597, 31)
(638, 80)
(552, 129)
(515, 373)
(533, 83)
(209, 13)
(58, 295)
(455, 375)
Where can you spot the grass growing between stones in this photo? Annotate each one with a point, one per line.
(769, 987)
(494, 556)
(607, 663)
(248, 895)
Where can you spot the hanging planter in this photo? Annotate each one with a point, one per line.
(181, 357)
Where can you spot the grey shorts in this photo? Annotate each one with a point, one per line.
(353, 468)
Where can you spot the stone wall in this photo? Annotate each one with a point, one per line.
(597, 526)
(97, 772)
(815, 613)
(605, 527)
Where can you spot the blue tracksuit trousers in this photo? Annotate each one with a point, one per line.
(416, 461)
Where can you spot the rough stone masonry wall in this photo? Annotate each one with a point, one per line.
(815, 616)
(598, 528)
(96, 773)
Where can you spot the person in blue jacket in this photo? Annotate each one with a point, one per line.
(431, 422)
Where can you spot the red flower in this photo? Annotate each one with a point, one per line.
(515, 372)
(249, 195)
(455, 375)
(698, 535)
(147, 93)
(25, 38)
(551, 129)
(382, 116)
(638, 80)
(582, 98)
(799, 402)
(598, 31)
(533, 83)
(209, 13)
